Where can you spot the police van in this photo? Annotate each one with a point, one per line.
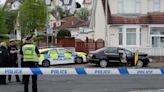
(55, 56)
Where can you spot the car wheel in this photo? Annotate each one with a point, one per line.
(46, 63)
(78, 60)
(140, 64)
(103, 63)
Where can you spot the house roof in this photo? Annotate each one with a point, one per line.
(87, 1)
(67, 4)
(150, 18)
(74, 22)
(11, 1)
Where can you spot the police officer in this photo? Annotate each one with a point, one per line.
(30, 54)
(4, 60)
(13, 50)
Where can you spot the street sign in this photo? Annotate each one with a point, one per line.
(49, 31)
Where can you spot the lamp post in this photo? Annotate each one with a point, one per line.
(48, 3)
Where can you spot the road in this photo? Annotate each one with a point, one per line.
(151, 65)
(111, 83)
(74, 83)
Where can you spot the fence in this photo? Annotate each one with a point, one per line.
(89, 45)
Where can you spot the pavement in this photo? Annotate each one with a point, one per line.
(74, 83)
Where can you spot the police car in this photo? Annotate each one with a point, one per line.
(55, 56)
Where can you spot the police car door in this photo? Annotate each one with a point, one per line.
(54, 57)
(66, 56)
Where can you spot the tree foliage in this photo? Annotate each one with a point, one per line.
(3, 29)
(60, 13)
(32, 15)
(84, 13)
(10, 19)
(64, 33)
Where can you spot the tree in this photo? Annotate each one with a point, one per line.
(10, 19)
(3, 29)
(84, 13)
(64, 33)
(60, 13)
(32, 16)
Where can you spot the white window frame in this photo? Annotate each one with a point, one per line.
(124, 30)
(121, 7)
(156, 3)
(150, 36)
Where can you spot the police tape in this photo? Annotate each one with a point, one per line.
(79, 71)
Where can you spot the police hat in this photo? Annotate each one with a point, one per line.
(12, 40)
(29, 37)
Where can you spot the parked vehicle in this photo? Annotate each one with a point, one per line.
(55, 56)
(106, 56)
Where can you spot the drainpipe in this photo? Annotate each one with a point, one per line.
(106, 23)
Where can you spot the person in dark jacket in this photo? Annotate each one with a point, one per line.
(4, 60)
(13, 50)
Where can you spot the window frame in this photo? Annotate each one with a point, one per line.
(122, 7)
(156, 2)
(124, 30)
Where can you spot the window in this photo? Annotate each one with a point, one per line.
(44, 52)
(131, 36)
(120, 36)
(63, 51)
(128, 52)
(157, 36)
(111, 50)
(156, 5)
(129, 6)
(53, 51)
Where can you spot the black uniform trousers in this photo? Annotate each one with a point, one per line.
(27, 77)
(2, 78)
(17, 77)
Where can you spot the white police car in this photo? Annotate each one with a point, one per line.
(55, 56)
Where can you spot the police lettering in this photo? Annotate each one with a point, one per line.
(10, 71)
(58, 71)
(144, 72)
(102, 71)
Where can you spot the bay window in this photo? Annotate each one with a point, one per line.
(129, 36)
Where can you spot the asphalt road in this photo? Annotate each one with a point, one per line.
(87, 65)
(74, 83)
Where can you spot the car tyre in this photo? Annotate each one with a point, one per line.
(140, 64)
(78, 60)
(46, 63)
(103, 63)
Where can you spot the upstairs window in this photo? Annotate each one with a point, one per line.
(157, 5)
(129, 6)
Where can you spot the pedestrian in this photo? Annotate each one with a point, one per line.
(13, 52)
(4, 60)
(30, 54)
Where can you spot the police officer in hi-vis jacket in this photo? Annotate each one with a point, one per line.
(30, 55)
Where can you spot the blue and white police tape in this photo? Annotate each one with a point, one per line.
(79, 71)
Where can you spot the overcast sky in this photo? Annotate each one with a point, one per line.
(81, 1)
(2, 1)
